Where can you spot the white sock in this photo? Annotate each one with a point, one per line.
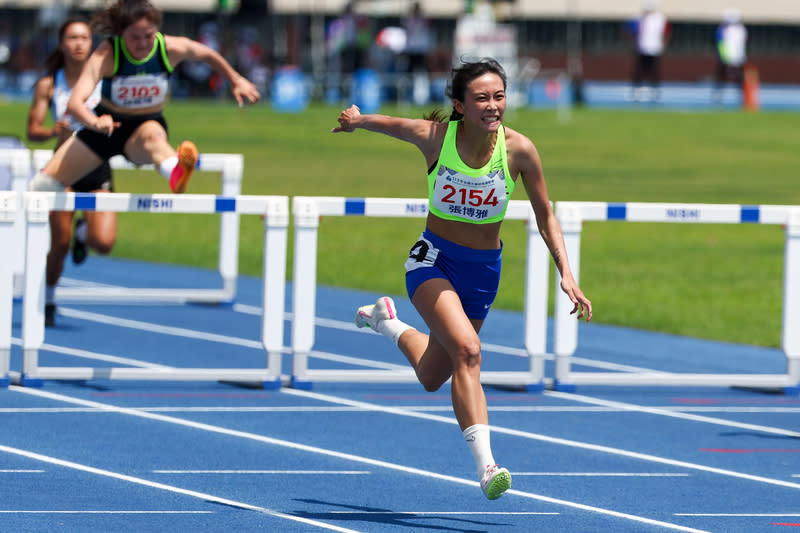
(166, 166)
(477, 438)
(50, 294)
(392, 328)
(81, 231)
(42, 182)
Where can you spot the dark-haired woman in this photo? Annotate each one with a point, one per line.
(134, 66)
(453, 270)
(96, 230)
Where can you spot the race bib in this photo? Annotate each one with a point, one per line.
(139, 91)
(468, 198)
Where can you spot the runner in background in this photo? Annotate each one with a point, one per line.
(134, 65)
(96, 230)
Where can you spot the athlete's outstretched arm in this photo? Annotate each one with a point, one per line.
(182, 48)
(424, 134)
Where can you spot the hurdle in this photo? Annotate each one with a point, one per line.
(307, 211)
(230, 167)
(8, 215)
(572, 215)
(19, 162)
(275, 210)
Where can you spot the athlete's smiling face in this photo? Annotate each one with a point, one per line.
(139, 38)
(484, 102)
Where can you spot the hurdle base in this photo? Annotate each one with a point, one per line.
(5, 381)
(275, 384)
(534, 387)
(300, 384)
(563, 387)
(28, 381)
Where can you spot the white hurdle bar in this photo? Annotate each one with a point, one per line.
(230, 167)
(275, 210)
(307, 211)
(19, 162)
(572, 215)
(8, 214)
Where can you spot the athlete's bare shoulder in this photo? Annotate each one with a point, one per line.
(523, 158)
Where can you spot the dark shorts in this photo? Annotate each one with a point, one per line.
(474, 274)
(106, 146)
(98, 179)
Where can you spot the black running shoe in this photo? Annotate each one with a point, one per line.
(79, 251)
(49, 315)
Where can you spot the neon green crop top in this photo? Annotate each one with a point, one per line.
(473, 195)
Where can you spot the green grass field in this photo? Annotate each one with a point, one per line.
(711, 281)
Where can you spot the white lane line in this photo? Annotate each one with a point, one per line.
(75, 352)
(43, 511)
(191, 334)
(600, 474)
(445, 513)
(497, 348)
(21, 471)
(544, 438)
(348, 456)
(742, 515)
(661, 412)
(157, 328)
(321, 322)
(340, 409)
(170, 488)
(268, 472)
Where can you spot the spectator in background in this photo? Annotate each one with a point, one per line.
(650, 33)
(250, 57)
(348, 39)
(419, 39)
(419, 43)
(731, 41)
(204, 81)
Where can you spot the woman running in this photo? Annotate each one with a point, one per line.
(453, 270)
(134, 66)
(96, 230)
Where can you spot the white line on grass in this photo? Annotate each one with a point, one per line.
(171, 488)
(348, 456)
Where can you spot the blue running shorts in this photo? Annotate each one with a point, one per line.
(474, 274)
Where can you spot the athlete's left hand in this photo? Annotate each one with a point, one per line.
(582, 304)
(243, 90)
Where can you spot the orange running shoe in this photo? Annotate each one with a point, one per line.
(187, 160)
